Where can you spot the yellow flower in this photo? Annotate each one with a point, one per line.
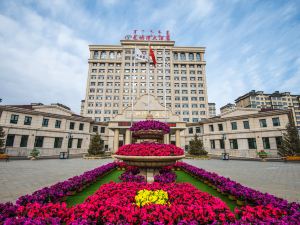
(146, 197)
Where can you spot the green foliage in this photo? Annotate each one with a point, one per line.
(262, 154)
(196, 146)
(96, 145)
(2, 135)
(34, 153)
(290, 145)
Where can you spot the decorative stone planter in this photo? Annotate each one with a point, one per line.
(148, 134)
(148, 164)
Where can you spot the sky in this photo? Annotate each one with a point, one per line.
(250, 45)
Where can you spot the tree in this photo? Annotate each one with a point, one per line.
(290, 145)
(2, 139)
(196, 146)
(96, 145)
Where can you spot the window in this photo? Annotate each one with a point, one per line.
(27, 120)
(102, 129)
(212, 144)
(57, 123)
(276, 122)
(14, 118)
(70, 142)
(246, 124)
(72, 125)
(211, 128)
(198, 130)
(233, 143)
(39, 141)
(45, 122)
(190, 130)
(220, 126)
(95, 129)
(10, 140)
(222, 144)
(233, 125)
(81, 125)
(58, 142)
(263, 123)
(24, 141)
(278, 141)
(251, 143)
(79, 142)
(266, 142)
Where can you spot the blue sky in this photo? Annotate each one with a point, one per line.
(249, 44)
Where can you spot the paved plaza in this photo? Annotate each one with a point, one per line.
(21, 177)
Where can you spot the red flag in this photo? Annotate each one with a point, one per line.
(151, 53)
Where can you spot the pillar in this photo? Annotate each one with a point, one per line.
(177, 138)
(167, 139)
(127, 137)
(116, 140)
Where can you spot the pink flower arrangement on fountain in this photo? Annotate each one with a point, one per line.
(150, 125)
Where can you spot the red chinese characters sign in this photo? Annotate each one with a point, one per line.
(152, 36)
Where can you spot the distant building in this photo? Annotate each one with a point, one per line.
(276, 100)
(212, 109)
(227, 107)
(49, 128)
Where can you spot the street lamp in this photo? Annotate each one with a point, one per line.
(225, 155)
(70, 136)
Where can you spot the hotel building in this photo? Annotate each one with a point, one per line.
(178, 80)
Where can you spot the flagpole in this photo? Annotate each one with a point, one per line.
(132, 87)
(131, 84)
(164, 82)
(148, 82)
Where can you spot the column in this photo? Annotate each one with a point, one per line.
(116, 140)
(177, 138)
(127, 137)
(167, 139)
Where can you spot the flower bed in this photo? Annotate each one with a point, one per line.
(150, 149)
(165, 176)
(289, 212)
(150, 125)
(131, 175)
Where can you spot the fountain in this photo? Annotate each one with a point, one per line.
(149, 153)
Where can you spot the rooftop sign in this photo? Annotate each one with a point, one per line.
(152, 36)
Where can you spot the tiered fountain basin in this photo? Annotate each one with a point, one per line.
(149, 161)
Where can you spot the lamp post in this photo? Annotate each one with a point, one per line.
(225, 154)
(69, 138)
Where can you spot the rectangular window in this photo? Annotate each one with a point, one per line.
(39, 141)
(24, 141)
(198, 130)
(246, 124)
(57, 123)
(102, 129)
(212, 144)
(278, 141)
(79, 143)
(58, 142)
(276, 122)
(10, 140)
(45, 122)
(251, 143)
(190, 130)
(14, 118)
(220, 126)
(27, 120)
(81, 125)
(233, 125)
(222, 144)
(70, 142)
(233, 143)
(95, 129)
(72, 125)
(263, 123)
(211, 128)
(266, 142)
